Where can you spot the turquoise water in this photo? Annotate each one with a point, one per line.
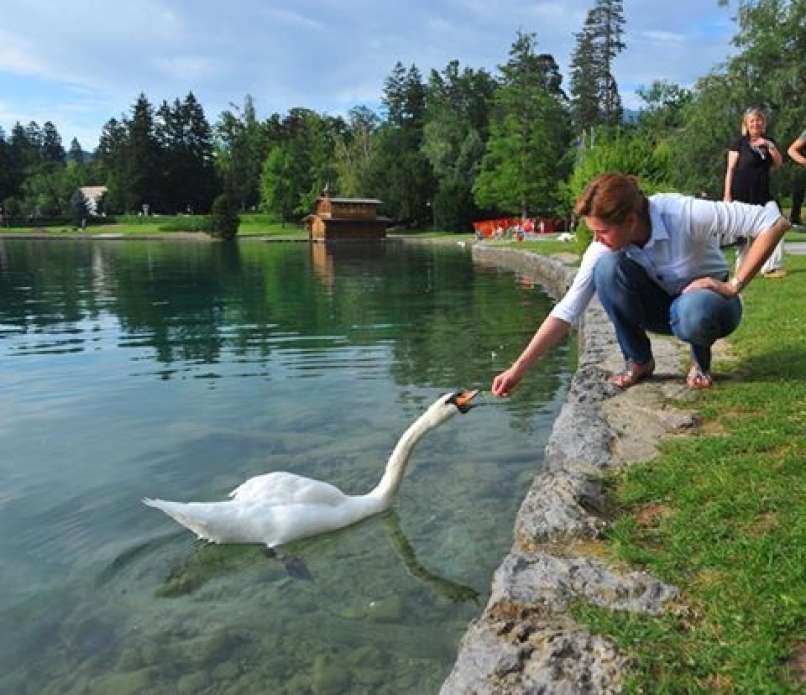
(178, 370)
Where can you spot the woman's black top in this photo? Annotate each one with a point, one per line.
(751, 178)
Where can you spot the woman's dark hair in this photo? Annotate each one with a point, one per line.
(612, 197)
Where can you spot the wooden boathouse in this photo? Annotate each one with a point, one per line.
(346, 218)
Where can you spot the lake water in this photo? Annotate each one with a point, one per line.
(177, 370)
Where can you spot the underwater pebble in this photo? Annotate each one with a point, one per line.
(384, 610)
(192, 683)
(128, 683)
(330, 677)
(365, 656)
(227, 671)
(130, 659)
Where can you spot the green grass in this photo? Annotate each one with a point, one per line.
(432, 234)
(546, 247)
(721, 516)
(252, 224)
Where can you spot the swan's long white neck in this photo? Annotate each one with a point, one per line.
(385, 490)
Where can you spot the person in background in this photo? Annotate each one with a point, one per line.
(747, 179)
(798, 148)
(655, 264)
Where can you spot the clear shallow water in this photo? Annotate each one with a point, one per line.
(136, 369)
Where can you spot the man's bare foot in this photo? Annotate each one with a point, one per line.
(699, 379)
(633, 374)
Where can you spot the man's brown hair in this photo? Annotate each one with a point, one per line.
(612, 197)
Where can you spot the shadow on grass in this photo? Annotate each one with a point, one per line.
(786, 363)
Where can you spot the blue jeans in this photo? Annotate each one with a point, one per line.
(636, 304)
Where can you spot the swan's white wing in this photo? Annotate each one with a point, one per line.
(287, 488)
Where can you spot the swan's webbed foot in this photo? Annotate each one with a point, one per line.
(294, 566)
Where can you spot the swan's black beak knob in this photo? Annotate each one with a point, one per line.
(462, 400)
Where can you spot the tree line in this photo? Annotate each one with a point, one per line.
(457, 145)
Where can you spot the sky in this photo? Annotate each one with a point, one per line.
(78, 64)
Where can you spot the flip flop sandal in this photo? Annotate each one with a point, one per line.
(698, 379)
(633, 374)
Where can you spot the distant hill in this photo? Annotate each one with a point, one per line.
(88, 156)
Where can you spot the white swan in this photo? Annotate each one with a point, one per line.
(277, 508)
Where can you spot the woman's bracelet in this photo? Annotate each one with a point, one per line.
(736, 284)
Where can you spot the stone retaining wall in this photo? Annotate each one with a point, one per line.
(525, 641)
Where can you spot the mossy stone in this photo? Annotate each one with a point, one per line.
(385, 610)
(227, 671)
(330, 677)
(192, 683)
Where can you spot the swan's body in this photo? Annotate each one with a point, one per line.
(277, 508)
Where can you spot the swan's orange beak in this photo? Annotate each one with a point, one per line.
(463, 399)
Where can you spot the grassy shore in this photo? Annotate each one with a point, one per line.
(721, 515)
(252, 225)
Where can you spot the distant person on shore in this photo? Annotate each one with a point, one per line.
(656, 265)
(747, 179)
(797, 150)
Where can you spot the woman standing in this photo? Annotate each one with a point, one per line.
(747, 179)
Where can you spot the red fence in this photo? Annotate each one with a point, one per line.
(517, 226)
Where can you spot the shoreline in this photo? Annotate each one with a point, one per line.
(525, 640)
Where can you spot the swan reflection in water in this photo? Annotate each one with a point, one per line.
(208, 561)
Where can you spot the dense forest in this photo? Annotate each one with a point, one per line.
(448, 148)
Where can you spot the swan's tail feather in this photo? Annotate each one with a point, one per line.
(183, 514)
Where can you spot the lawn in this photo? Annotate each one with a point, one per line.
(252, 224)
(721, 515)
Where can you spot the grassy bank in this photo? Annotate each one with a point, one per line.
(721, 515)
(252, 224)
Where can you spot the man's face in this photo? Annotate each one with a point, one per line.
(614, 236)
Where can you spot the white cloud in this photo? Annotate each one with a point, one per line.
(88, 64)
(664, 37)
(189, 67)
(292, 18)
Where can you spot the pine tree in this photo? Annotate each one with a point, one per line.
(402, 174)
(457, 120)
(354, 152)
(241, 144)
(200, 148)
(5, 178)
(594, 92)
(52, 150)
(584, 83)
(523, 161)
(609, 22)
(142, 156)
(76, 154)
(109, 164)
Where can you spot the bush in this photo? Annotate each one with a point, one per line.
(79, 210)
(582, 237)
(623, 152)
(224, 220)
